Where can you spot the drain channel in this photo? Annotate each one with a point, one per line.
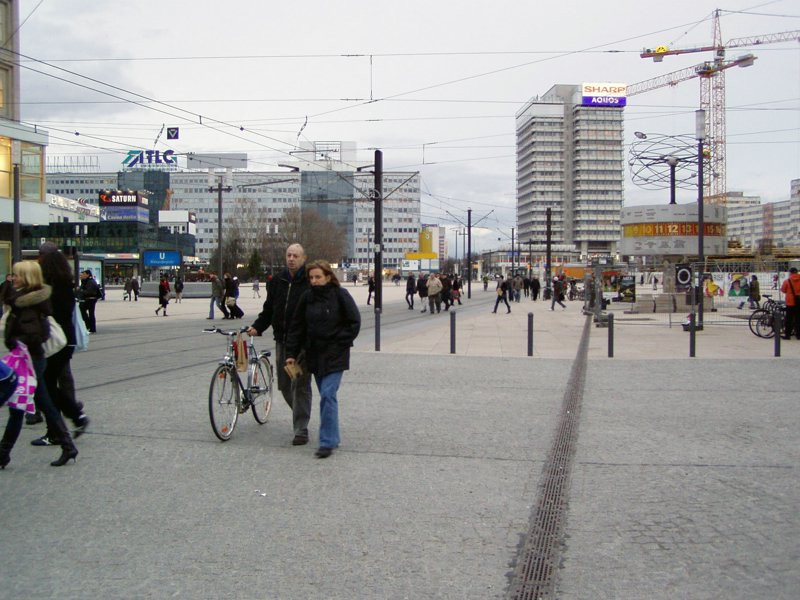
(534, 576)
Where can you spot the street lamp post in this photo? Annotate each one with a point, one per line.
(700, 134)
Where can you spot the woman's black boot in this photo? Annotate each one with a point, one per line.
(67, 454)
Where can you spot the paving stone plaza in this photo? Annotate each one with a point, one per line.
(683, 473)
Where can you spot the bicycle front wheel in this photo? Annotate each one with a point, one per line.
(223, 402)
(765, 326)
(754, 318)
(261, 389)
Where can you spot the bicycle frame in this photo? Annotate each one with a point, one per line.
(229, 360)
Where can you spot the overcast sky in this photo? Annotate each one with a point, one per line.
(435, 85)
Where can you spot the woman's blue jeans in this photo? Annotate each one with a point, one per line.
(328, 385)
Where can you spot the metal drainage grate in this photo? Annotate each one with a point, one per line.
(534, 577)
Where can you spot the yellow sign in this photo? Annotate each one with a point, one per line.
(670, 229)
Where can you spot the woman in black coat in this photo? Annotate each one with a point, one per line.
(325, 324)
(27, 323)
(58, 374)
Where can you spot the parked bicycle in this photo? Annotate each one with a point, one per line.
(762, 320)
(229, 395)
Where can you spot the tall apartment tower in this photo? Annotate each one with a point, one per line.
(570, 159)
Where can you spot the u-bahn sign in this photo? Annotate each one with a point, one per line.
(162, 258)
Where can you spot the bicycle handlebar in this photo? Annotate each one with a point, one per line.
(221, 332)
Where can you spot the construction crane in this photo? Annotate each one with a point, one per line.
(712, 91)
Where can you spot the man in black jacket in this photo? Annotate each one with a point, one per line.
(283, 292)
(89, 293)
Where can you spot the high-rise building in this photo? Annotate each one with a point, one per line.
(570, 159)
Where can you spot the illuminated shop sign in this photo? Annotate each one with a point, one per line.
(604, 94)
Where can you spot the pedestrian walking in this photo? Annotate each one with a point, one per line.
(57, 273)
(135, 288)
(456, 291)
(325, 324)
(283, 295)
(434, 293)
(27, 323)
(370, 288)
(558, 294)
(791, 290)
(411, 288)
(178, 289)
(518, 284)
(502, 291)
(535, 287)
(163, 295)
(231, 292)
(446, 293)
(217, 297)
(128, 295)
(753, 290)
(256, 288)
(422, 290)
(88, 294)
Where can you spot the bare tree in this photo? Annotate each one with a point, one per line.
(320, 237)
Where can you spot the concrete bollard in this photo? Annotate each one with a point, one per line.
(377, 330)
(610, 335)
(530, 334)
(452, 332)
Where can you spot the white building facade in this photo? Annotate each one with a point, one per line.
(760, 226)
(570, 159)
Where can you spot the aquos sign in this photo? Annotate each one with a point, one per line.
(604, 94)
(149, 158)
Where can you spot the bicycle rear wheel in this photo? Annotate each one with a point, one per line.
(223, 402)
(261, 389)
(754, 317)
(765, 326)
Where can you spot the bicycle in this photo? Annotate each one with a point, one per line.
(228, 396)
(762, 320)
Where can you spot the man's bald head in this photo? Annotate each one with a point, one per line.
(295, 258)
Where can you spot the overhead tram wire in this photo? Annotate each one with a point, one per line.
(182, 117)
(502, 70)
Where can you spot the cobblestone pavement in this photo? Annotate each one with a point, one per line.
(685, 480)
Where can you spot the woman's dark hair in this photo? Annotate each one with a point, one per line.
(55, 269)
(325, 267)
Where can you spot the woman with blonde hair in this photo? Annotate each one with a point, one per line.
(325, 324)
(29, 303)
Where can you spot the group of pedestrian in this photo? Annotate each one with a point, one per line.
(39, 290)
(435, 290)
(131, 289)
(314, 322)
(225, 296)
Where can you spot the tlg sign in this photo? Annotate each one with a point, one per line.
(162, 258)
(149, 158)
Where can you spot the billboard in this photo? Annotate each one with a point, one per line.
(118, 198)
(604, 94)
(138, 214)
(161, 258)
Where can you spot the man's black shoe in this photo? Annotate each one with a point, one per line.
(323, 452)
(299, 440)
